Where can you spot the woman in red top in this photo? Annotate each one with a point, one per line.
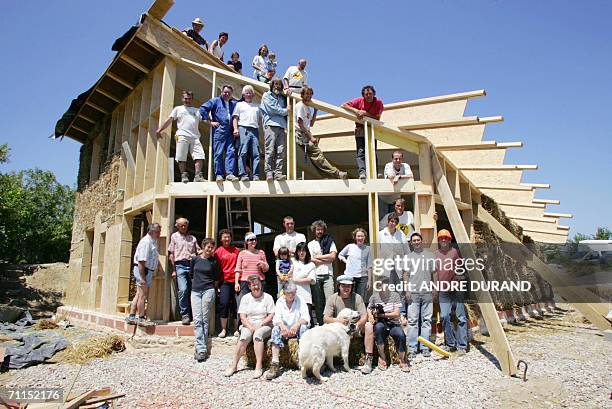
(250, 261)
(226, 256)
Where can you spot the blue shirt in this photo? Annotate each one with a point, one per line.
(220, 111)
(274, 110)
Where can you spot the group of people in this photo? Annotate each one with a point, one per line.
(305, 275)
(236, 123)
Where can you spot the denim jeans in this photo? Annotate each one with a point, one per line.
(420, 310)
(277, 339)
(223, 143)
(183, 282)
(450, 300)
(202, 302)
(382, 331)
(249, 143)
(323, 289)
(360, 284)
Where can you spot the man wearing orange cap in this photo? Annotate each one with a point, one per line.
(447, 271)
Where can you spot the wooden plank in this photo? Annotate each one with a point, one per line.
(559, 215)
(509, 144)
(467, 147)
(86, 118)
(505, 187)
(547, 201)
(500, 342)
(517, 204)
(563, 285)
(556, 233)
(499, 167)
(470, 120)
(133, 63)
(81, 129)
(533, 219)
(119, 80)
(127, 155)
(163, 142)
(437, 99)
(107, 94)
(537, 185)
(490, 119)
(76, 402)
(160, 8)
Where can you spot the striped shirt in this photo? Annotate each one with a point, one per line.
(247, 264)
(390, 301)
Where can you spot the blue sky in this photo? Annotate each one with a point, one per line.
(546, 66)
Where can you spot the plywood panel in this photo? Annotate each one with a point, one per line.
(476, 157)
(494, 178)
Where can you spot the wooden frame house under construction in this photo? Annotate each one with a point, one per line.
(127, 174)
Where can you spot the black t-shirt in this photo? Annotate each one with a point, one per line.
(205, 273)
(237, 65)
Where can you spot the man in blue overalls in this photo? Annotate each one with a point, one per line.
(218, 112)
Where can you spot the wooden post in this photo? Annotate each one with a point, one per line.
(210, 142)
(424, 204)
(485, 302)
(291, 147)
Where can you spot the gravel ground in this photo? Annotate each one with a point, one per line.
(568, 363)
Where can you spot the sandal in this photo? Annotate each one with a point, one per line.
(382, 365)
(404, 367)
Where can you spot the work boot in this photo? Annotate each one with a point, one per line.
(367, 366)
(185, 177)
(199, 177)
(272, 372)
(185, 320)
(342, 175)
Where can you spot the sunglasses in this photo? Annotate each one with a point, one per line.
(251, 239)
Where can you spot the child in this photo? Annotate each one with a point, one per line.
(271, 65)
(304, 276)
(235, 62)
(284, 269)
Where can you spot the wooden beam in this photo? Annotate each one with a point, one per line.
(86, 118)
(96, 107)
(547, 201)
(559, 215)
(563, 227)
(127, 155)
(556, 233)
(119, 80)
(562, 285)
(133, 63)
(538, 205)
(531, 219)
(80, 129)
(504, 187)
(436, 100)
(160, 8)
(499, 167)
(468, 147)
(489, 119)
(467, 121)
(501, 346)
(107, 94)
(537, 185)
(510, 144)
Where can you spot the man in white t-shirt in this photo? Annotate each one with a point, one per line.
(295, 77)
(304, 119)
(246, 127)
(397, 169)
(146, 260)
(406, 218)
(323, 252)
(290, 238)
(187, 137)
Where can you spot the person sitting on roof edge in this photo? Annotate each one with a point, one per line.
(216, 47)
(194, 32)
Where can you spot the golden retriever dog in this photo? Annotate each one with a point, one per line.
(321, 344)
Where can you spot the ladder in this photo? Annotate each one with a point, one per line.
(238, 216)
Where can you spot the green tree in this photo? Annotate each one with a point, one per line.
(4, 153)
(35, 216)
(603, 233)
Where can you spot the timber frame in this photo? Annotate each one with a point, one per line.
(142, 84)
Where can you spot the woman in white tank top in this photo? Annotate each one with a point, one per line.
(216, 47)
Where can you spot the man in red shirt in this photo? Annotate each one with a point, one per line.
(447, 270)
(370, 106)
(226, 256)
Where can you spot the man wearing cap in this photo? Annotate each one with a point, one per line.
(146, 260)
(345, 298)
(194, 32)
(447, 258)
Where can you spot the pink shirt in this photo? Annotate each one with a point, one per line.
(183, 246)
(247, 264)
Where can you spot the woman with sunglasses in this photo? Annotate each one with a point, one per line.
(250, 261)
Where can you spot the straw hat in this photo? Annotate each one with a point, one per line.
(198, 21)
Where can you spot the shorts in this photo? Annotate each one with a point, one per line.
(139, 281)
(260, 334)
(185, 144)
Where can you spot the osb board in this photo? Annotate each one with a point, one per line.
(493, 177)
(476, 157)
(510, 196)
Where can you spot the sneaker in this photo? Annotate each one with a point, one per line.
(185, 177)
(229, 371)
(185, 320)
(199, 177)
(269, 178)
(272, 372)
(222, 334)
(449, 348)
(131, 320)
(342, 175)
(367, 366)
(281, 177)
(219, 178)
(244, 179)
(144, 322)
(362, 176)
(231, 178)
(461, 351)
(255, 178)
(200, 356)
(426, 353)
(257, 373)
